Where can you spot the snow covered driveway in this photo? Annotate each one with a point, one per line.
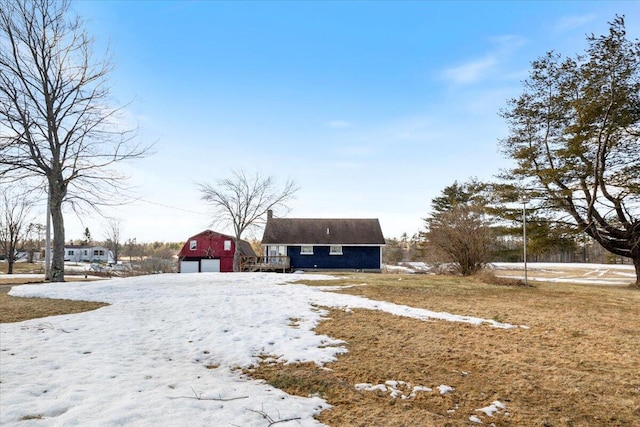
(166, 339)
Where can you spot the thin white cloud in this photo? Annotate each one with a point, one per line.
(508, 42)
(339, 124)
(471, 72)
(483, 67)
(569, 23)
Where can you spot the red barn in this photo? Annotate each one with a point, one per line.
(211, 252)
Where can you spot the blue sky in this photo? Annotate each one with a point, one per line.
(371, 107)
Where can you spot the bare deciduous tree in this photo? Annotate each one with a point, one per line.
(393, 251)
(57, 122)
(34, 240)
(244, 201)
(463, 236)
(459, 230)
(113, 236)
(132, 248)
(15, 208)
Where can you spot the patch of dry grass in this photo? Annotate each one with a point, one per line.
(577, 365)
(14, 309)
(23, 267)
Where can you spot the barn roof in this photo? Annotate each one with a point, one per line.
(245, 247)
(322, 231)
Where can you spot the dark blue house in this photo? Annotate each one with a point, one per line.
(325, 244)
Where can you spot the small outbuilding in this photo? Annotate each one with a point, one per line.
(210, 251)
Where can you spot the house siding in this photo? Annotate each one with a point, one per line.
(352, 258)
(88, 254)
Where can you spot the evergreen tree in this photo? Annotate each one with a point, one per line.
(86, 237)
(575, 136)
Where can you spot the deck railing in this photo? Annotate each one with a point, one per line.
(265, 263)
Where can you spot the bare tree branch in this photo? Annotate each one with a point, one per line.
(271, 420)
(244, 201)
(113, 237)
(56, 119)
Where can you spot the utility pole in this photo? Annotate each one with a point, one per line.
(47, 240)
(525, 200)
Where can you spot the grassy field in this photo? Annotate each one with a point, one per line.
(577, 363)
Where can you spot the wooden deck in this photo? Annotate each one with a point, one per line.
(265, 263)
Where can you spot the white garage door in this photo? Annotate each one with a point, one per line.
(189, 266)
(210, 265)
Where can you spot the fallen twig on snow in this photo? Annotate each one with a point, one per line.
(198, 396)
(271, 420)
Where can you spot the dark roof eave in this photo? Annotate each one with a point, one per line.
(330, 231)
(320, 243)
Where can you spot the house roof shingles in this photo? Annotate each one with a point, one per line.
(328, 231)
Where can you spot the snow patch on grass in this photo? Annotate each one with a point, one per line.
(169, 349)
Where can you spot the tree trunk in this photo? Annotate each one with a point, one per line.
(236, 255)
(57, 221)
(11, 251)
(636, 264)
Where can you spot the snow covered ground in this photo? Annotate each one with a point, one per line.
(579, 273)
(168, 348)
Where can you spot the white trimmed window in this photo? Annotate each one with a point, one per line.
(69, 252)
(227, 245)
(306, 250)
(277, 250)
(193, 245)
(335, 250)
